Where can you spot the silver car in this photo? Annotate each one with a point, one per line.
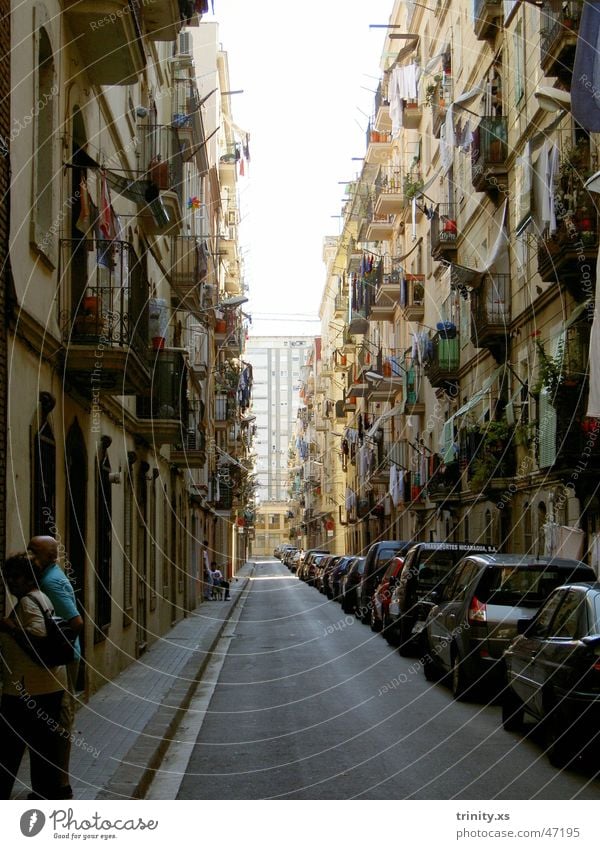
(478, 608)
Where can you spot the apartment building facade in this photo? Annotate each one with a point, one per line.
(459, 296)
(277, 364)
(126, 323)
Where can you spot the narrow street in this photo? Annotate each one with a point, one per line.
(311, 704)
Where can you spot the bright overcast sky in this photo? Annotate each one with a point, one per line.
(309, 73)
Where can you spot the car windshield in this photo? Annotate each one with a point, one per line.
(434, 569)
(527, 586)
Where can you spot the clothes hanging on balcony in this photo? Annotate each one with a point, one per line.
(106, 211)
(84, 221)
(545, 176)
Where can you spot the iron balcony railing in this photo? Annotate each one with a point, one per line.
(168, 388)
(104, 294)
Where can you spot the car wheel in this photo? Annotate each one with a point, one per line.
(512, 711)
(458, 681)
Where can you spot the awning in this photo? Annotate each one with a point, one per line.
(133, 189)
(467, 276)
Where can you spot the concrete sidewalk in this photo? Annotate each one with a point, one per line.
(124, 729)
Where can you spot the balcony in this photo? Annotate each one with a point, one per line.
(379, 146)
(487, 19)
(108, 35)
(488, 454)
(490, 313)
(444, 232)
(444, 483)
(222, 490)
(190, 449)
(414, 404)
(230, 338)
(488, 156)
(163, 19)
(412, 114)
(379, 227)
(389, 194)
(382, 120)
(225, 409)
(160, 416)
(340, 306)
(391, 385)
(440, 98)
(559, 30)
(105, 317)
(442, 362)
(186, 120)
(412, 297)
(387, 291)
(563, 255)
(188, 269)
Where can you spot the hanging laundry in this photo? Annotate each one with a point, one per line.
(106, 213)
(83, 222)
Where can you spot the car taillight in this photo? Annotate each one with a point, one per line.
(477, 611)
(596, 666)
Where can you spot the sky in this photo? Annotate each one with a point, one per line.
(308, 74)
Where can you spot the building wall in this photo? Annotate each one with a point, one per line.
(5, 278)
(276, 363)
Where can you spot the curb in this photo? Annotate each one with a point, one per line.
(137, 770)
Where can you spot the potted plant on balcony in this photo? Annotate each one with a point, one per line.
(550, 371)
(413, 184)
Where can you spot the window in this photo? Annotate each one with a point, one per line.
(43, 111)
(566, 622)
(542, 622)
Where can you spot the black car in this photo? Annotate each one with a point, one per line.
(350, 582)
(377, 561)
(426, 567)
(477, 612)
(553, 671)
(340, 570)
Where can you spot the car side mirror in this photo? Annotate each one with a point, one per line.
(523, 625)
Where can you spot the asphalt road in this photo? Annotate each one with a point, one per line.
(310, 704)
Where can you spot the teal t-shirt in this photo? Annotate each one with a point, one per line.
(59, 590)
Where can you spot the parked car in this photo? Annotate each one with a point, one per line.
(295, 561)
(287, 555)
(478, 609)
(427, 566)
(306, 562)
(320, 572)
(553, 671)
(337, 575)
(377, 560)
(326, 575)
(311, 570)
(350, 582)
(380, 601)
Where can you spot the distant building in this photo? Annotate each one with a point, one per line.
(276, 363)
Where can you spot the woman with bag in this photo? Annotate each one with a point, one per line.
(31, 692)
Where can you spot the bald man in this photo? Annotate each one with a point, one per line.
(56, 585)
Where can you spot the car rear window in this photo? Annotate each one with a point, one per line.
(522, 585)
(435, 568)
